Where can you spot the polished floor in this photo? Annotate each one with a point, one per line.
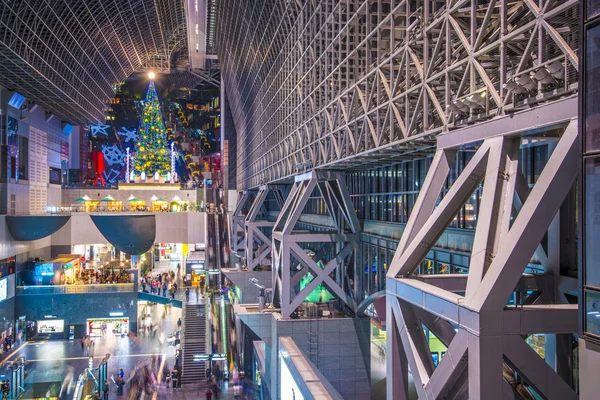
(50, 363)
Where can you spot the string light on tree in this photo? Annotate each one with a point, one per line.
(151, 157)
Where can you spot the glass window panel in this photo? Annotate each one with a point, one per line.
(23, 158)
(471, 211)
(539, 161)
(363, 207)
(423, 167)
(592, 313)
(410, 203)
(592, 221)
(592, 89)
(593, 8)
(410, 179)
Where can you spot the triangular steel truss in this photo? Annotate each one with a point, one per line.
(238, 226)
(487, 356)
(258, 226)
(291, 262)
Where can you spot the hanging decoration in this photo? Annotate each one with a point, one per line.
(129, 135)
(151, 156)
(113, 155)
(99, 129)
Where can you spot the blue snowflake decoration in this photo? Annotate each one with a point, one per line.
(112, 176)
(129, 135)
(99, 129)
(113, 155)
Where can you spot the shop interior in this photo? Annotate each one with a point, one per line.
(108, 326)
(51, 326)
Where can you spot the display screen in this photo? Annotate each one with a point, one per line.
(44, 269)
(3, 289)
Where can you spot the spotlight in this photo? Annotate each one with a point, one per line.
(151, 75)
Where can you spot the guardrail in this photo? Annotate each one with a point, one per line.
(75, 289)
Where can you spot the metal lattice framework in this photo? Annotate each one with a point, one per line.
(238, 223)
(259, 226)
(290, 261)
(68, 55)
(487, 356)
(348, 83)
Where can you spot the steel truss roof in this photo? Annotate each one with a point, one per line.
(355, 83)
(68, 55)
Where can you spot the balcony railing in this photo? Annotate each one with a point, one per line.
(75, 289)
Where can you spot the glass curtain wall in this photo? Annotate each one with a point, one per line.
(590, 224)
(388, 194)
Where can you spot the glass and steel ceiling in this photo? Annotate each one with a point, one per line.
(68, 56)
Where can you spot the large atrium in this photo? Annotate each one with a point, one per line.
(299, 199)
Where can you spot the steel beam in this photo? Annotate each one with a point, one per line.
(342, 241)
(501, 253)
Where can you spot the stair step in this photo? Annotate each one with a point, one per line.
(195, 339)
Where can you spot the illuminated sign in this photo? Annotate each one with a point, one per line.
(289, 389)
(3, 289)
(116, 314)
(46, 269)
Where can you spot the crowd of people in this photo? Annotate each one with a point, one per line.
(94, 277)
(90, 276)
(163, 284)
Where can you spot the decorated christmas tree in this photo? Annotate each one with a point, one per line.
(152, 155)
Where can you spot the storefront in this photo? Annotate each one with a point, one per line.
(195, 270)
(170, 251)
(195, 266)
(59, 271)
(70, 270)
(51, 325)
(108, 326)
(98, 255)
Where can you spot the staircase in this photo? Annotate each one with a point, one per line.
(194, 343)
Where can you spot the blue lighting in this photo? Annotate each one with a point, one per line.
(67, 129)
(16, 100)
